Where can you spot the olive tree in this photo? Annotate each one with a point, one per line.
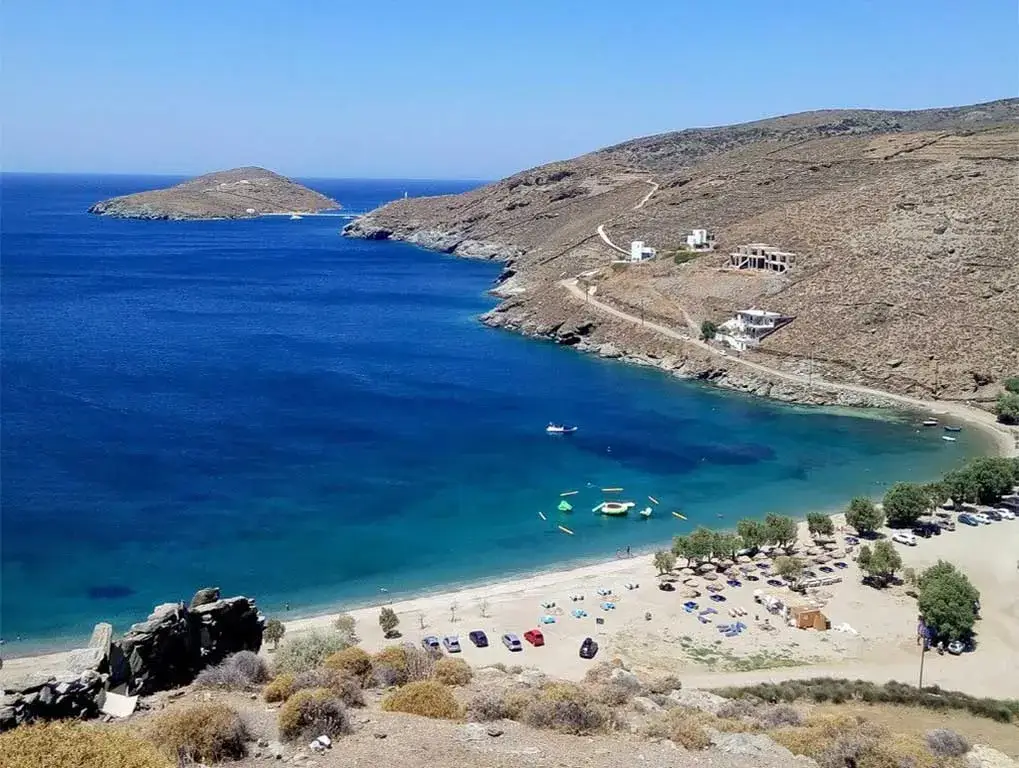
(904, 503)
(273, 632)
(389, 621)
(864, 515)
(664, 562)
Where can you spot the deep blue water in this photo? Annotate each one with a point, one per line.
(268, 407)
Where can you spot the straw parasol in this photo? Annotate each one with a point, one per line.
(710, 576)
(692, 582)
(715, 587)
(706, 567)
(822, 559)
(831, 546)
(743, 559)
(761, 556)
(687, 571)
(689, 593)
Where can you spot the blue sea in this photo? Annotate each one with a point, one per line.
(271, 408)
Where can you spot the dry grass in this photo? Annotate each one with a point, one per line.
(312, 713)
(342, 685)
(207, 733)
(73, 745)
(238, 672)
(683, 726)
(453, 672)
(280, 688)
(308, 651)
(401, 664)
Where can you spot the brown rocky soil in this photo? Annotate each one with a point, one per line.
(904, 225)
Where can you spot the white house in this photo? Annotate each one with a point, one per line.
(700, 240)
(749, 327)
(761, 256)
(641, 252)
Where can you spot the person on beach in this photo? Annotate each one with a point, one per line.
(628, 551)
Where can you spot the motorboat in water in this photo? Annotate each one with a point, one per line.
(952, 429)
(930, 422)
(295, 216)
(948, 439)
(559, 429)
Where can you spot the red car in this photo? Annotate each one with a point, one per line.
(534, 637)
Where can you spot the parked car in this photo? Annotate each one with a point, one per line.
(512, 642)
(922, 532)
(534, 637)
(981, 518)
(967, 519)
(926, 530)
(666, 586)
(430, 643)
(1006, 514)
(588, 648)
(904, 537)
(452, 643)
(479, 638)
(993, 514)
(956, 647)
(947, 524)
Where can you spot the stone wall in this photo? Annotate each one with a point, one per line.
(165, 651)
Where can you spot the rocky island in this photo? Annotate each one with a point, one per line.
(240, 193)
(900, 228)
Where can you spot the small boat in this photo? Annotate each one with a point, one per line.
(615, 508)
(564, 529)
(569, 493)
(952, 429)
(542, 516)
(559, 429)
(646, 512)
(948, 439)
(611, 490)
(681, 517)
(930, 422)
(295, 217)
(565, 506)
(652, 499)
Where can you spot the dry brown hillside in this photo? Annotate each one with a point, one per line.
(904, 224)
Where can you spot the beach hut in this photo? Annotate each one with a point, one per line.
(808, 617)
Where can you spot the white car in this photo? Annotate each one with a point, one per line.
(904, 537)
(1006, 514)
(980, 517)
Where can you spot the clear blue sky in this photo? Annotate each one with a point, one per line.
(451, 89)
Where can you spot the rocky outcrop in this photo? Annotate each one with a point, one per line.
(434, 239)
(165, 651)
(241, 193)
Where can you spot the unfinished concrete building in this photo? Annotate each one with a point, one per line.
(761, 256)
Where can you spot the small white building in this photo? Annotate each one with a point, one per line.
(761, 256)
(700, 240)
(749, 327)
(641, 252)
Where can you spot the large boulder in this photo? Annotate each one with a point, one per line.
(204, 596)
(227, 626)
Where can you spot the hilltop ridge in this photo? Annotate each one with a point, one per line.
(903, 224)
(238, 193)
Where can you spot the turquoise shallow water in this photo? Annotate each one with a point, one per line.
(268, 407)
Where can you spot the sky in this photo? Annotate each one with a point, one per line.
(444, 89)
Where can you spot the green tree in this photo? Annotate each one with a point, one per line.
(780, 529)
(948, 601)
(904, 503)
(389, 621)
(1007, 408)
(819, 524)
(753, 533)
(346, 625)
(702, 542)
(664, 561)
(273, 632)
(1012, 385)
(789, 568)
(880, 563)
(726, 544)
(864, 515)
(937, 493)
(993, 478)
(708, 330)
(961, 486)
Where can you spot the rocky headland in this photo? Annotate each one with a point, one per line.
(241, 193)
(903, 225)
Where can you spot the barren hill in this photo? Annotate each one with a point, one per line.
(904, 225)
(235, 194)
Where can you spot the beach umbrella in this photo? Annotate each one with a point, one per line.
(710, 576)
(687, 571)
(743, 559)
(689, 593)
(706, 567)
(831, 546)
(692, 582)
(748, 568)
(761, 556)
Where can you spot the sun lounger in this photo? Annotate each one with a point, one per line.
(703, 619)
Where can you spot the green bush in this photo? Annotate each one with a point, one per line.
(307, 652)
(427, 698)
(1012, 385)
(708, 330)
(904, 503)
(66, 744)
(311, 713)
(280, 688)
(353, 660)
(340, 684)
(273, 632)
(864, 515)
(205, 733)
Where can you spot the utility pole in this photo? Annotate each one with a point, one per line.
(642, 312)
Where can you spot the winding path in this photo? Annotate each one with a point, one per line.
(974, 416)
(640, 204)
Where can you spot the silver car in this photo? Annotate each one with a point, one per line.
(512, 642)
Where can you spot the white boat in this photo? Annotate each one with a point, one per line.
(948, 438)
(646, 512)
(295, 216)
(559, 429)
(930, 422)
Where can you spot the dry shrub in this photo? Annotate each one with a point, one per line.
(739, 709)
(205, 733)
(389, 666)
(307, 651)
(428, 698)
(238, 672)
(688, 732)
(68, 744)
(664, 685)
(345, 687)
(420, 663)
(778, 716)
(354, 661)
(567, 708)
(453, 672)
(280, 688)
(946, 743)
(311, 713)
(487, 706)
(515, 669)
(602, 671)
(613, 693)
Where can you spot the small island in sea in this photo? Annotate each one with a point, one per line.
(240, 193)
